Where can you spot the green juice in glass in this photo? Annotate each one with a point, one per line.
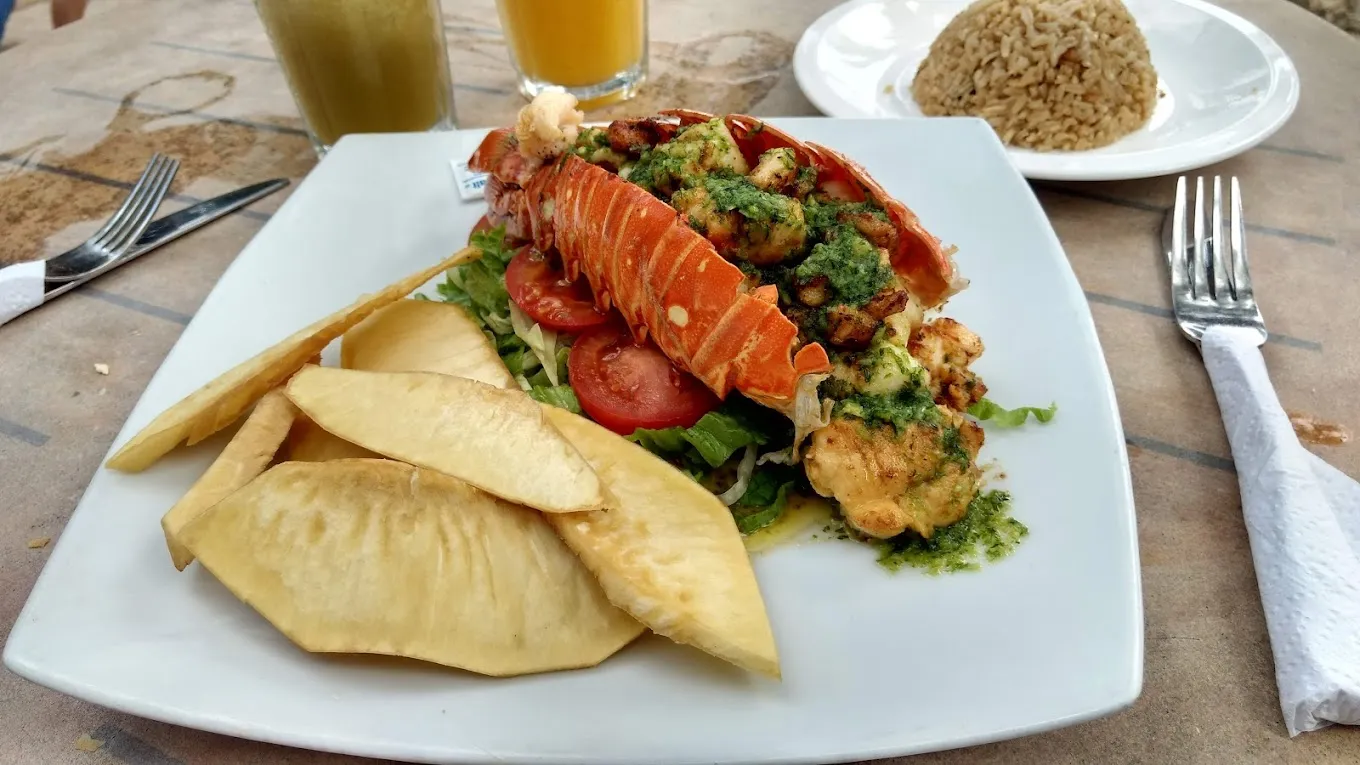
(362, 66)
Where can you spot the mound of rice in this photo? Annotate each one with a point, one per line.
(1046, 75)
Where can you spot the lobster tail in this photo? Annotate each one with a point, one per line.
(493, 150)
(669, 282)
(919, 258)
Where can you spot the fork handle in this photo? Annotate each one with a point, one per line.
(1252, 414)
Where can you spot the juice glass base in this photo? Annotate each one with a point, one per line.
(621, 87)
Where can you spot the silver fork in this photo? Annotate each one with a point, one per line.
(1210, 283)
(122, 231)
(1215, 306)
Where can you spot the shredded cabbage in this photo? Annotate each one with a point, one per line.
(543, 342)
(745, 468)
(781, 457)
(809, 413)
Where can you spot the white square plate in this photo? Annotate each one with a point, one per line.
(874, 664)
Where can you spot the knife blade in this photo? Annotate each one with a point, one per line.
(177, 224)
(23, 286)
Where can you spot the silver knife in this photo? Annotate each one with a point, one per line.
(175, 225)
(23, 286)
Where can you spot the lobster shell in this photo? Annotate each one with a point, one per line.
(670, 283)
(919, 259)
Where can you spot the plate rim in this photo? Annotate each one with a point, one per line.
(1126, 695)
(1273, 114)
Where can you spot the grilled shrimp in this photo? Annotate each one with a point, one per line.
(889, 481)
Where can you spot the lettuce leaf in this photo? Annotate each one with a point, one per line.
(479, 285)
(560, 396)
(765, 498)
(716, 437)
(986, 409)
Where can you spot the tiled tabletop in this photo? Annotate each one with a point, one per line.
(83, 107)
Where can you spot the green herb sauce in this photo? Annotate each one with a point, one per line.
(823, 217)
(986, 531)
(735, 192)
(851, 264)
(911, 404)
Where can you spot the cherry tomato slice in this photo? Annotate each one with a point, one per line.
(484, 224)
(625, 386)
(541, 290)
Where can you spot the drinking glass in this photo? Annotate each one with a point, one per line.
(362, 66)
(595, 49)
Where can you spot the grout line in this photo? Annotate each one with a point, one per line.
(270, 60)
(214, 52)
(133, 304)
(125, 747)
(22, 433)
(1189, 455)
(81, 175)
(284, 129)
(1309, 153)
(1134, 204)
(1166, 313)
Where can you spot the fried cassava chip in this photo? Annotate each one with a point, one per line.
(424, 336)
(220, 402)
(667, 551)
(374, 556)
(309, 442)
(247, 455)
(497, 440)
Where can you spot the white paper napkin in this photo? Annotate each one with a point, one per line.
(21, 288)
(1303, 519)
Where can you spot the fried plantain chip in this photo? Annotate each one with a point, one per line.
(424, 336)
(667, 551)
(220, 402)
(245, 456)
(496, 440)
(374, 556)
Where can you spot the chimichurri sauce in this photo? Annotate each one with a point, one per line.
(986, 531)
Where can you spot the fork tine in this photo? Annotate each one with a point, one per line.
(128, 211)
(1219, 262)
(1180, 281)
(131, 199)
(1199, 268)
(132, 227)
(146, 209)
(1241, 276)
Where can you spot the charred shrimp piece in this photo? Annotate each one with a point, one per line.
(743, 221)
(776, 171)
(632, 137)
(696, 151)
(946, 348)
(849, 328)
(593, 146)
(888, 479)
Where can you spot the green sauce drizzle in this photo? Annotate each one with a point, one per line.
(852, 265)
(986, 531)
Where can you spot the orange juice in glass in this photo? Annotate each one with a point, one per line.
(595, 49)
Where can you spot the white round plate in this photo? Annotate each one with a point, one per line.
(1226, 85)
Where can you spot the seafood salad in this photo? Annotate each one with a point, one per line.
(755, 309)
